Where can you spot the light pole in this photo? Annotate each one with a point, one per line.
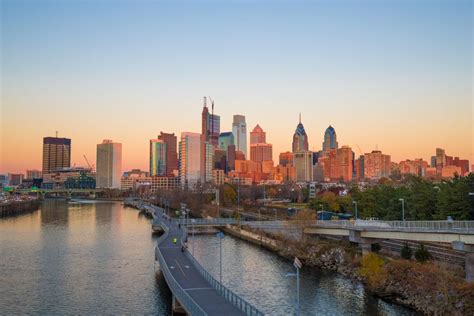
(403, 208)
(297, 264)
(220, 235)
(238, 193)
(355, 205)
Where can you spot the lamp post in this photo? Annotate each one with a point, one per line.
(403, 208)
(297, 264)
(355, 205)
(238, 193)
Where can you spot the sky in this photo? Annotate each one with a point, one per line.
(392, 75)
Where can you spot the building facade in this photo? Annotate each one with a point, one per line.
(109, 164)
(257, 135)
(189, 159)
(261, 152)
(300, 139)
(376, 165)
(158, 155)
(239, 129)
(226, 139)
(56, 153)
(171, 153)
(285, 158)
(330, 139)
(303, 162)
(33, 174)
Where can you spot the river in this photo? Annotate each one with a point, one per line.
(97, 258)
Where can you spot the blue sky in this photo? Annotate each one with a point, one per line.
(379, 71)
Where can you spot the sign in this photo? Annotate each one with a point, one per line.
(297, 263)
(220, 235)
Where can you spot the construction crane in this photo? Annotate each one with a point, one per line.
(88, 164)
(360, 151)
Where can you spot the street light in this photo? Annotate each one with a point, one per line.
(403, 208)
(297, 264)
(355, 205)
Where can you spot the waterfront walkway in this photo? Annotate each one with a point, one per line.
(195, 290)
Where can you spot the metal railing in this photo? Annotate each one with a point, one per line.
(183, 297)
(230, 296)
(411, 226)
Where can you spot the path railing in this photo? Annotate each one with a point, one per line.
(230, 296)
(410, 226)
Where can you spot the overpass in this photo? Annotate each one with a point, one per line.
(68, 193)
(194, 290)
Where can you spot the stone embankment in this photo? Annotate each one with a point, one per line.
(19, 207)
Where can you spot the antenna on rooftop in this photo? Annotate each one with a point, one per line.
(56, 134)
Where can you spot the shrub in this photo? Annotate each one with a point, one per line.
(406, 252)
(372, 268)
(422, 254)
(375, 247)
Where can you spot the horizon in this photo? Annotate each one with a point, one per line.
(126, 71)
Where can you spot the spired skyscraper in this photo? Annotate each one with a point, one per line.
(239, 129)
(211, 124)
(330, 139)
(300, 139)
(109, 164)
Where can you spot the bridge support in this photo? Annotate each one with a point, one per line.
(176, 308)
(469, 260)
(365, 244)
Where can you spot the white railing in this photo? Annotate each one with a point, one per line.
(412, 226)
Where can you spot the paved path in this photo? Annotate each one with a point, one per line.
(189, 278)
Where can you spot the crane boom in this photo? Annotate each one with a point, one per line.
(87, 161)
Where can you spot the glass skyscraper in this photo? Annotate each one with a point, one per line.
(239, 129)
(330, 139)
(158, 151)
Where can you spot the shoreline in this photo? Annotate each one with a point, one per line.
(19, 207)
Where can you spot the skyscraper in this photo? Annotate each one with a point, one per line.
(210, 124)
(303, 162)
(257, 135)
(261, 152)
(376, 165)
(171, 153)
(239, 129)
(189, 164)
(300, 139)
(109, 164)
(158, 163)
(330, 139)
(56, 153)
(226, 139)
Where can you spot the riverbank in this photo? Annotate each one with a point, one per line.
(429, 288)
(19, 207)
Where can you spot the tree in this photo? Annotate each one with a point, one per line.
(229, 196)
(406, 252)
(422, 254)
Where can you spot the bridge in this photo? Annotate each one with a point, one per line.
(68, 193)
(195, 291)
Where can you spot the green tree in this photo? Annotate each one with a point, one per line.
(406, 252)
(422, 254)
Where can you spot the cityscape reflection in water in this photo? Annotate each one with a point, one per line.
(97, 258)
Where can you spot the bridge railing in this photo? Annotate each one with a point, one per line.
(230, 296)
(184, 298)
(414, 226)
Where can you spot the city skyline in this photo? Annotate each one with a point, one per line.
(409, 86)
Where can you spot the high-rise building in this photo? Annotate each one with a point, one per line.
(189, 159)
(231, 157)
(158, 162)
(300, 139)
(109, 164)
(330, 139)
(15, 179)
(440, 160)
(463, 164)
(303, 162)
(376, 165)
(226, 139)
(171, 153)
(285, 158)
(220, 159)
(416, 167)
(210, 124)
(261, 152)
(33, 174)
(56, 153)
(257, 135)
(239, 129)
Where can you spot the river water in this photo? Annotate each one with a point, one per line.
(97, 258)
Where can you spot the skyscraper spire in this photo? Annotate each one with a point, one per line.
(300, 117)
(205, 102)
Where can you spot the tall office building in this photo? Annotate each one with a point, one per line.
(376, 165)
(171, 152)
(109, 164)
(56, 153)
(303, 162)
(285, 158)
(239, 129)
(257, 135)
(226, 139)
(440, 160)
(189, 159)
(330, 139)
(158, 163)
(210, 124)
(261, 152)
(300, 139)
